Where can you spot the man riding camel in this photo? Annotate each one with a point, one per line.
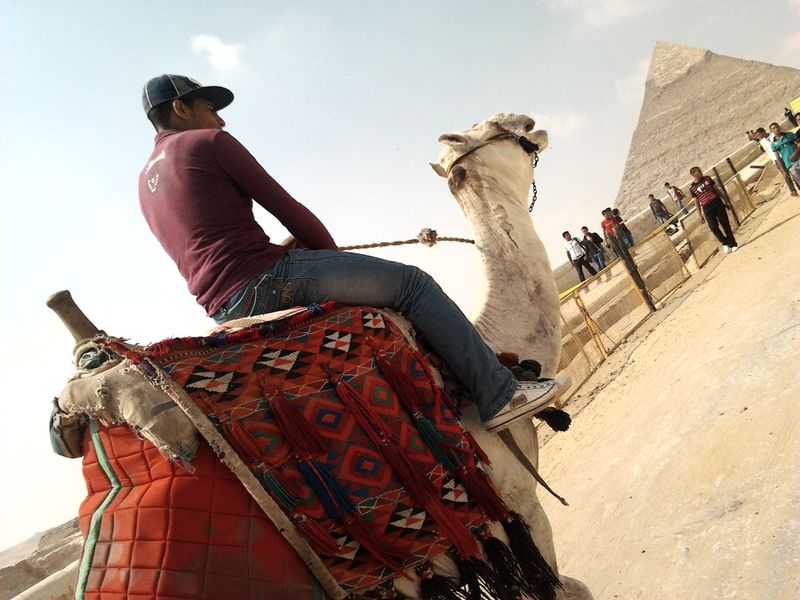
(196, 193)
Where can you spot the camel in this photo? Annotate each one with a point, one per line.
(489, 170)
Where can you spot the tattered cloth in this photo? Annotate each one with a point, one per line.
(324, 458)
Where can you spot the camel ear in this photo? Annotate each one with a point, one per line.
(438, 168)
(453, 139)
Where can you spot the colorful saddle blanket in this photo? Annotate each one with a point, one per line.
(341, 421)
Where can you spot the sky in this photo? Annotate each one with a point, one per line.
(342, 102)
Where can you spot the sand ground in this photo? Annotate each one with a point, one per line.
(682, 465)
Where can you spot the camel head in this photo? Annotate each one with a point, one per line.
(504, 144)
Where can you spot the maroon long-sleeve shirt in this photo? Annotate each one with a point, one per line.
(196, 193)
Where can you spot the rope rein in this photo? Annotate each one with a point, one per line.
(429, 237)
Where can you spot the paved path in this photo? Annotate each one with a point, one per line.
(683, 469)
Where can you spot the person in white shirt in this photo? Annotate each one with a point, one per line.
(576, 254)
(676, 194)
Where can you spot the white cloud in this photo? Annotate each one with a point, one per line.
(630, 88)
(559, 125)
(600, 13)
(224, 57)
(789, 50)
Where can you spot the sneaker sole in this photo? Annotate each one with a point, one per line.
(506, 419)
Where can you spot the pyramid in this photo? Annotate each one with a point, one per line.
(696, 108)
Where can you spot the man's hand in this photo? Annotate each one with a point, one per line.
(292, 243)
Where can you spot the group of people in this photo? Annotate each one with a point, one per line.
(782, 147)
(589, 252)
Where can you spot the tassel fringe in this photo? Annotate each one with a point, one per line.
(433, 586)
(541, 579)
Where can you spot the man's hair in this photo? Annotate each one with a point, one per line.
(584, 227)
(693, 169)
(605, 210)
(159, 115)
(614, 211)
(666, 183)
(771, 124)
(651, 196)
(761, 130)
(566, 233)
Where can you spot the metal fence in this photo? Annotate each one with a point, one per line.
(601, 312)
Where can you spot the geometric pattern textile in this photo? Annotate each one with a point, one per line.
(236, 378)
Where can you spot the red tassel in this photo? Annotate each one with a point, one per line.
(302, 436)
(320, 540)
(452, 528)
(399, 382)
(482, 456)
(371, 423)
(481, 490)
(418, 485)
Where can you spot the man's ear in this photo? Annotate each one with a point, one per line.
(181, 110)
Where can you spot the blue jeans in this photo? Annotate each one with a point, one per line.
(599, 260)
(305, 277)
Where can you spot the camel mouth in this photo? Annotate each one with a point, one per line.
(527, 145)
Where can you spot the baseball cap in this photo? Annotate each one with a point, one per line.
(166, 88)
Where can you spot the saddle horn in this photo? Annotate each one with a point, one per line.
(72, 316)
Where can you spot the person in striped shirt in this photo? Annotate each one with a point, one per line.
(712, 207)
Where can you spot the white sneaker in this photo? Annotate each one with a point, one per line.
(734, 248)
(726, 249)
(530, 397)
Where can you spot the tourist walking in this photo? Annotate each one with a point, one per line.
(593, 244)
(658, 209)
(577, 255)
(676, 194)
(611, 232)
(712, 208)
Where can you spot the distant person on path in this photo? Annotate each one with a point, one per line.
(576, 254)
(593, 244)
(611, 232)
(792, 117)
(712, 208)
(626, 235)
(676, 194)
(785, 144)
(658, 209)
(766, 139)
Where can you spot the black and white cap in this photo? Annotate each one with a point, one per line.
(166, 88)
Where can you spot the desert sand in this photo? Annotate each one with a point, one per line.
(682, 465)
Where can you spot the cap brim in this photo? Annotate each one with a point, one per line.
(219, 96)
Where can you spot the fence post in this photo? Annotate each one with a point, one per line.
(725, 191)
(742, 188)
(730, 164)
(633, 271)
(590, 324)
(578, 341)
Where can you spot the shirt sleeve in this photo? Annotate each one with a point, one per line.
(251, 177)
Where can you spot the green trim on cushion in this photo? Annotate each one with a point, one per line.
(97, 515)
